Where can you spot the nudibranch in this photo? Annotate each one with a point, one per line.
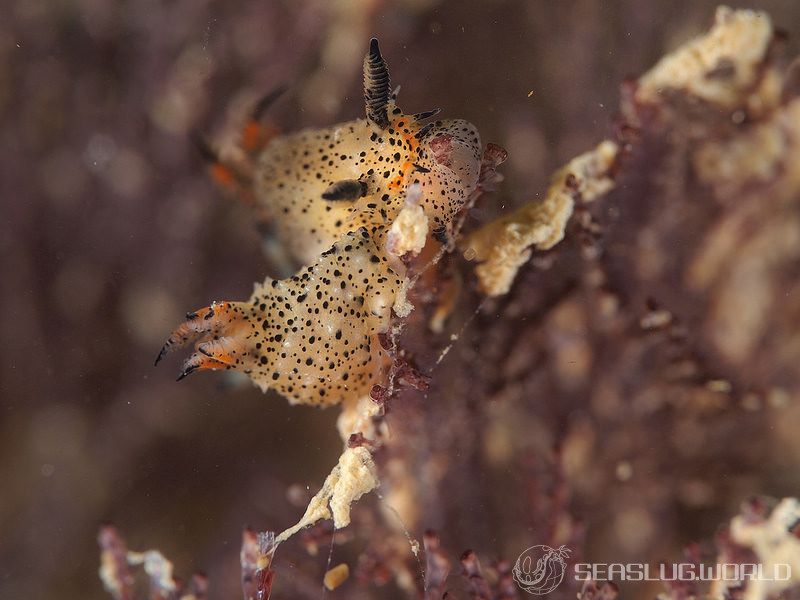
(354, 202)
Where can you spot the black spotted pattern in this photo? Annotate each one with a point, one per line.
(313, 337)
(295, 170)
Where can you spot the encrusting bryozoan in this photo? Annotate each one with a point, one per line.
(503, 245)
(358, 220)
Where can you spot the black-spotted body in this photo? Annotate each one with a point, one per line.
(332, 195)
(295, 171)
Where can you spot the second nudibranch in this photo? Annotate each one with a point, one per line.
(340, 200)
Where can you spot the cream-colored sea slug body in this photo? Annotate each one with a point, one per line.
(349, 201)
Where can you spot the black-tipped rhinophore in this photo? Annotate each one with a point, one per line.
(268, 100)
(346, 189)
(186, 372)
(377, 87)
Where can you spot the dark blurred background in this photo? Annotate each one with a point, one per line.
(110, 231)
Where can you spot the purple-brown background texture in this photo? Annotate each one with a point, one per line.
(110, 231)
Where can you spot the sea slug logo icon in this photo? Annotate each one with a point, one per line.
(540, 569)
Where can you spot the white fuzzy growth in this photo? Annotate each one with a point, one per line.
(505, 244)
(357, 476)
(409, 231)
(402, 306)
(157, 567)
(354, 476)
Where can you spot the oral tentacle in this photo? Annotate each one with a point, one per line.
(201, 325)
